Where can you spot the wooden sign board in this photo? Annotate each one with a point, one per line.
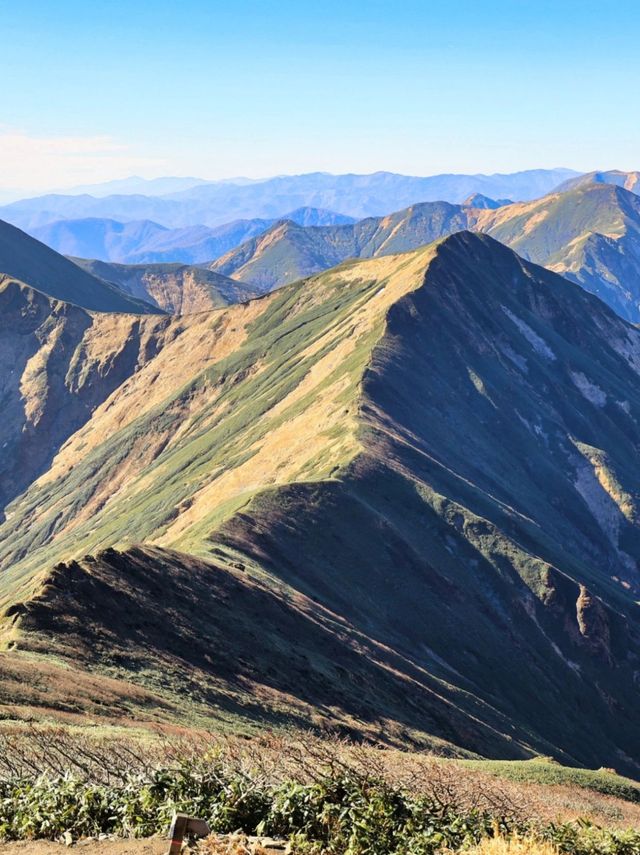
(183, 825)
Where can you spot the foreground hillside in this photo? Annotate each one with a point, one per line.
(416, 471)
(589, 232)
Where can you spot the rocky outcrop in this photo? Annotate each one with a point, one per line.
(58, 363)
(593, 623)
(178, 289)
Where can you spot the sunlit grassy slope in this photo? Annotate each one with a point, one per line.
(234, 402)
(542, 771)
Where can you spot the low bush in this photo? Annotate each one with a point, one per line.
(326, 802)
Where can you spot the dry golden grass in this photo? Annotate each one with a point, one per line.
(153, 846)
(512, 846)
(182, 341)
(289, 447)
(234, 844)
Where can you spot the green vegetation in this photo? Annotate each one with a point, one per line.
(589, 233)
(329, 483)
(291, 323)
(341, 814)
(287, 251)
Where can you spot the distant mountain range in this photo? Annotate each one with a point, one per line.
(287, 251)
(143, 241)
(29, 266)
(588, 230)
(398, 500)
(589, 233)
(101, 286)
(213, 204)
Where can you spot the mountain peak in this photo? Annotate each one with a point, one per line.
(478, 200)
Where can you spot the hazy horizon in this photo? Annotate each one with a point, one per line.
(16, 195)
(206, 90)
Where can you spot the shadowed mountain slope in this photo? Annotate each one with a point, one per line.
(426, 459)
(228, 647)
(590, 234)
(26, 259)
(178, 289)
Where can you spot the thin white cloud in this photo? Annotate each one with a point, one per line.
(35, 164)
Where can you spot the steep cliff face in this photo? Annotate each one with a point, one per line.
(425, 464)
(58, 362)
(178, 289)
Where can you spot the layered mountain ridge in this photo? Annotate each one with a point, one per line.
(590, 233)
(147, 242)
(58, 362)
(417, 470)
(627, 180)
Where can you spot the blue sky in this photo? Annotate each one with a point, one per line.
(92, 92)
